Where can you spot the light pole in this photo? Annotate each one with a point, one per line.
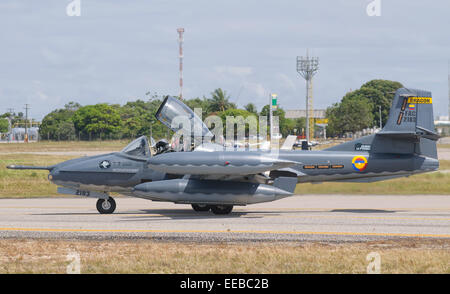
(307, 68)
(272, 104)
(381, 121)
(180, 44)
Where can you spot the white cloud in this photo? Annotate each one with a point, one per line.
(286, 81)
(256, 88)
(240, 71)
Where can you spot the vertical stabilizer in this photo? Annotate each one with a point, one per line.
(409, 129)
(410, 126)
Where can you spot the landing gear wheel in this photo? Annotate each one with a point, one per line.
(106, 206)
(201, 207)
(221, 209)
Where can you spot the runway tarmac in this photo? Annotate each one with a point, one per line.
(328, 218)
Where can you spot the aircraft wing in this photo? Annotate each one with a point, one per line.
(217, 163)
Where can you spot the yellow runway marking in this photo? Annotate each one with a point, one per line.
(229, 232)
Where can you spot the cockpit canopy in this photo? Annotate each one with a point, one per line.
(171, 108)
(138, 147)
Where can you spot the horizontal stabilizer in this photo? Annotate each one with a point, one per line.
(420, 132)
(428, 134)
(409, 129)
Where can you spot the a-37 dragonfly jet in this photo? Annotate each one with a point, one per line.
(213, 178)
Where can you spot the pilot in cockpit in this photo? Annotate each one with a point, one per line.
(141, 147)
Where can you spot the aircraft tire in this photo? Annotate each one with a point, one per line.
(221, 209)
(106, 206)
(201, 207)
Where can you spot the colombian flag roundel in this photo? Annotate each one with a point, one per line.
(359, 163)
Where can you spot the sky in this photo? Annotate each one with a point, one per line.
(116, 51)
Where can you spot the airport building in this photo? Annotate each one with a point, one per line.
(18, 135)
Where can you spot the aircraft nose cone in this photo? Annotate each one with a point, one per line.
(53, 175)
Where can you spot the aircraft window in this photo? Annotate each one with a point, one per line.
(152, 142)
(138, 147)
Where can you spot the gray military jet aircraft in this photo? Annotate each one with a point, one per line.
(211, 178)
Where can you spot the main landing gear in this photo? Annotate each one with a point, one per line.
(201, 207)
(106, 206)
(216, 209)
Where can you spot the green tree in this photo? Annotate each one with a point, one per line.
(250, 107)
(382, 94)
(353, 114)
(58, 124)
(220, 101)
(204, 104)
(65, 131)
(4, 125)
(138, 118)
(98, 120)
(240, 116)
(359, 109)
(286, 125)
(135, 119)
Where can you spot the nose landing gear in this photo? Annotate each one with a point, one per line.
(106, 206)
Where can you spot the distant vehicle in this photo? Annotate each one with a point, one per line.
(299, 143)
(258, 138)
(277, 136)
(211, 178)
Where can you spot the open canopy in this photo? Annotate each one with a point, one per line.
(172, 108)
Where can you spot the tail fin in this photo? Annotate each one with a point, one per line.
(410, 126)
(409, 129)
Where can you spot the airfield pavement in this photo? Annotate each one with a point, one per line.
(324, 218)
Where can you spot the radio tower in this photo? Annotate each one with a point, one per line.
(180, 43)
(448, 70)
(307, 68)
